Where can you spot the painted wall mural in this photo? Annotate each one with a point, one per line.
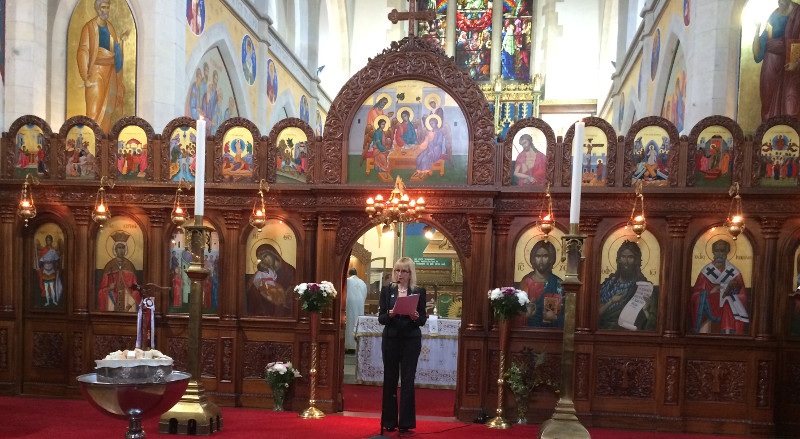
(674, 107)
(721, 295)
(410, 129)
(270, 268)
(248, 59)
(714, 158)
(81, 154)
(538, 270)
(132, 153)
(650, 152)
(272, 81)
(292, 146)
(780, 156)
(196, 15)
(211, 94)
(629, 282)
(655, 55)
(119, 265)
(47, 278)
(101, 67)
(304, 109)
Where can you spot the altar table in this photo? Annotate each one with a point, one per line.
(438, 360)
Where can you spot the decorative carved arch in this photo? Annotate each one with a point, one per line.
(61, 158)
(755, 168)
(272, 148)
(218, 147)
(672, 156)
(738, 145)
(508, 144)
(11, 147)
(419, 59)
(182, 121)
(113, 135)
(611, 157)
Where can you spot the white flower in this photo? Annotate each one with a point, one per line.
(301, 288)
(522, 297)
(494, 294)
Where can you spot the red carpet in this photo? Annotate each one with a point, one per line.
(430, 402)
(76, 419)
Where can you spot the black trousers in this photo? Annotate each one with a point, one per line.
(400, 356)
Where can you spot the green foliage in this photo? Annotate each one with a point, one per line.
(525, 374)
(315, 297)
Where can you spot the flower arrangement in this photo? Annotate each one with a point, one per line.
(526, 374)
(315, 297)
(279, 376)
(508, 302)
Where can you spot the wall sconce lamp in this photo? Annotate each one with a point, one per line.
(101, 214)
(735, 221)
(27, 209)
(637, 222)
(258, 218)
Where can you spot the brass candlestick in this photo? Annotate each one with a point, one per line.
(564, 423)
(194, 406)
(498, 421)
(312, 412)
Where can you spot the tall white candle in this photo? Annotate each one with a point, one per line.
(200, 168)
(577, 174)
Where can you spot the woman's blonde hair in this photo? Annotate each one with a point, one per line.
(405, 263)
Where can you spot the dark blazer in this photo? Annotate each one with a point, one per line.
(400, 325)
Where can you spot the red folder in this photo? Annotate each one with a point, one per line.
(406, 305)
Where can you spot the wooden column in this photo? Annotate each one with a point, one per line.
(671, 293)
(502, 271)
(764, 302)
(79, 267)
(227, 299)
(308, 263)
(479, 276)
(154, 267)
(326, 268)
(583, 313)
(8, 214)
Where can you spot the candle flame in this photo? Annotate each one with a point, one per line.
(370, 200)
(259, 212)
(639, 218)
(420, 200)
(736, 219)
(101, 208)
(547, 217)
(178, 209)
(25, 203)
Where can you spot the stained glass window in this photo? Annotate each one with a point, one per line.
(474, 37)
(435, 29)
(516, 41)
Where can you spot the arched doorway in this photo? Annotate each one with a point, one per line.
(439, 271)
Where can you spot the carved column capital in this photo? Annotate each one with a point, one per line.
(771, 226)
(588, 225)
(502, 224)
(8, 213)
(309, 220)
(82, 215)
(677, 225)
(478, 223)
(233, 219)
(330, 220)
(157, 216)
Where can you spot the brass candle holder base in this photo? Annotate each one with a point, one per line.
(193, 410)
(498, 423)
(312, 413)
(563, 424)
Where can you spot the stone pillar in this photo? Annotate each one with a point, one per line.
(450, 34)
(8, 214)
(670, 293)
(583, 313)
(497, 38)
(476, 317)
(80, 282)
(227, 302)
(26, 75)
(500, 265)
(154, 269)
(770, 230)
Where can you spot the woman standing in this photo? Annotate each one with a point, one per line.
(401, 345)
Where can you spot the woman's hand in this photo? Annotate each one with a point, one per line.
(414, 316)
(391, 313)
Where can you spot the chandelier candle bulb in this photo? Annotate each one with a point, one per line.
(200, 168)
(577, 173)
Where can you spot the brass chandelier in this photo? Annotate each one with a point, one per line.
(398, 207)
